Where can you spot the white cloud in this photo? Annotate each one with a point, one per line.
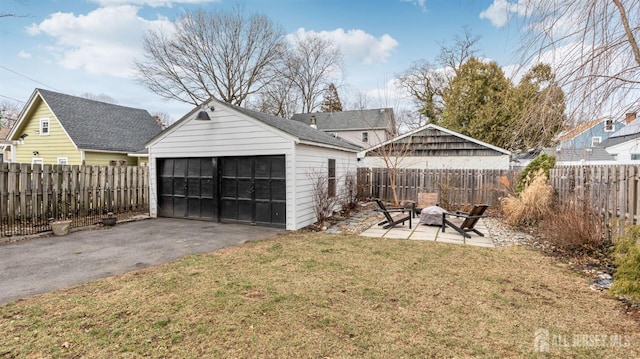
(500, 11)
(24, 55)
(152, 3)
(104, 41)
(419, 3)
(355, 44)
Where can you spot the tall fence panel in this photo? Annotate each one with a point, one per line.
(455, 188)
(31, 196)
(611, 191)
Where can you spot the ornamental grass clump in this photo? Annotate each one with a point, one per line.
(530, 205)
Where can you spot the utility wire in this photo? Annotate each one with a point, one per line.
(11, 98)
(28, 78)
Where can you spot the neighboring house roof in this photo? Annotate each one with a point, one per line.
(631, 129)
(578, 154)
(374, 119)
(578, 129)
(95, 125)
(296, 129)
(4, 132)
(436, 145)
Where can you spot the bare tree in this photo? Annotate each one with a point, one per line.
(278, 98)
(460, 51)
(312, 64)
(9, 112)
(226, 55)
(162, 118)
(425, 81)
(592, 45)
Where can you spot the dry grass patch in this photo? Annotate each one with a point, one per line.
(317, 295)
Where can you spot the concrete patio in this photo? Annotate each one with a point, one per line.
(424, 232)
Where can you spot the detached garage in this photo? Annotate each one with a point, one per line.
(229, 164)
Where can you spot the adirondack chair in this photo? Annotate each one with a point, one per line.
(465, 221)
(393, 215)
(425, 199)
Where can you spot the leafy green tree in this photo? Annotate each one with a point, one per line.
(475, 102)
(331, 102)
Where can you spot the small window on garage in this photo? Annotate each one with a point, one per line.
(331, 178)
(635, 156)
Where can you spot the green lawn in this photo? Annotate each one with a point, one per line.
(324, 296)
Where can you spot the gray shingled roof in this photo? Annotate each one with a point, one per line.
(95, 125)
(349, 120)
(577, 154)
(297, 129)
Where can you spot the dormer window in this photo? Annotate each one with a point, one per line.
(609, 126)
(44, 127)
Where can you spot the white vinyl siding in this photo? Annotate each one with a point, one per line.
(309, 159)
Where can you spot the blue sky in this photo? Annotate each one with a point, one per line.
(87, 46)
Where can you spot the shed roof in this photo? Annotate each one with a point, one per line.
(373, 119)
(577, 154)
(95, 125)
(431, 127)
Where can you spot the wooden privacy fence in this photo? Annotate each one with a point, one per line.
(33, 195)
(613, 191)
(456, 188)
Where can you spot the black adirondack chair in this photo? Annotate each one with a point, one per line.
(465, 221)
(393, 215)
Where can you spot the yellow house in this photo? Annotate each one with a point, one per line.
(55, 128)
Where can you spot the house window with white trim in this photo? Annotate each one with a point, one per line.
(63, 160)
(44, 127)
(37, 161)
(595, 140)
(635, 156)
(365, 137)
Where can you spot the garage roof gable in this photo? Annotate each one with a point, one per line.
(299, 131)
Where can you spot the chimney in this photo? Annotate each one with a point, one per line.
(629, 117)
(312, 122)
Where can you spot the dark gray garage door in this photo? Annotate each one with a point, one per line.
(187, 188)
(253, 190)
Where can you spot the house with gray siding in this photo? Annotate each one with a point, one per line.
(365, 128)
(225, 163)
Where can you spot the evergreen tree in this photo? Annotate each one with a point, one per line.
(475, 102)
(331, 102)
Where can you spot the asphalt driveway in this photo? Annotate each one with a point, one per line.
(45, 264)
